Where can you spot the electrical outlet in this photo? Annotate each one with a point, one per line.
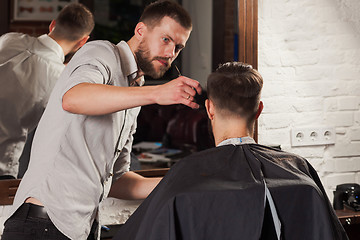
(312, 136)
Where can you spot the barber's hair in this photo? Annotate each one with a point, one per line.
(73, 22)
(155, 12)
(235, 89)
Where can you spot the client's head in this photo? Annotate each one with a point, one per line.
(233, 100)
(72, 27)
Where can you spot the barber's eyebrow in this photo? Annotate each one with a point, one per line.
(179, 46)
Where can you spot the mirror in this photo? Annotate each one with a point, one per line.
(164, 133)
(209, 44)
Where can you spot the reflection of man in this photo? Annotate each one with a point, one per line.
(29, 68)
(240, 189)
(81, 148)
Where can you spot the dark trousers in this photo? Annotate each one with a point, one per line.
(31, 222)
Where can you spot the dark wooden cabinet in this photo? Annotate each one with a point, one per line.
(351, 222)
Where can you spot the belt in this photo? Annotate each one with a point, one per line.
(29, 210)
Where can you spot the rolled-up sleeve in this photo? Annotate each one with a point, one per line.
(87, 73)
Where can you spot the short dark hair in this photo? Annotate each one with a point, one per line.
(235, 89)
(155, 11)
(73, 22)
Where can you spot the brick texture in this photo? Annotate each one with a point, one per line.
(309, 57)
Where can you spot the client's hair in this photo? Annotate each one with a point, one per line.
(235, 89)
(73, 22)
(154, 12)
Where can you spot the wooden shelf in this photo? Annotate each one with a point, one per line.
(8, 189)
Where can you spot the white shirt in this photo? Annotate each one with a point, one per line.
(29, 68)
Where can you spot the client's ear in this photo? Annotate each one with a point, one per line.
(52, 26)
(261, 107)
(209, 108)
(79, 43)
(82, 41)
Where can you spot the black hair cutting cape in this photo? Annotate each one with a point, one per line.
(219, 194)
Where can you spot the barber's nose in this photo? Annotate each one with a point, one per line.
(170, 52)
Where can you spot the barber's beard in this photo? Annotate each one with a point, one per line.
(145, 64)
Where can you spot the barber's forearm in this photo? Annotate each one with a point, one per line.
(146, 187)
(99, 99)
(132, 186)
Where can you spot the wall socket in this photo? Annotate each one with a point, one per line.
(312, 136)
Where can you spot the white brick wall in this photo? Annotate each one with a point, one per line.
(309, 56)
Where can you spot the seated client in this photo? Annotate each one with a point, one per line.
(239, 189)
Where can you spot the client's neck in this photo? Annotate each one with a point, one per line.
(227, 128)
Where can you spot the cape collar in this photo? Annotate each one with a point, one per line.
(237, 141)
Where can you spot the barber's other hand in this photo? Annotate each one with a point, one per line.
(180, 90)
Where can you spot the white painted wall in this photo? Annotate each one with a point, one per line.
(309, 57)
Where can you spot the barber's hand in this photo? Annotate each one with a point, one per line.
(180, 90)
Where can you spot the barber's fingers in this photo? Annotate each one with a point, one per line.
(189, 91)
(181, 90)
(189, 102)
(190, 88)
(191, 84)
(188, 96)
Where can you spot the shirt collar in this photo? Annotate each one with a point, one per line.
(237, 141)
(53, 45)
(129, 65)
(138, 82)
